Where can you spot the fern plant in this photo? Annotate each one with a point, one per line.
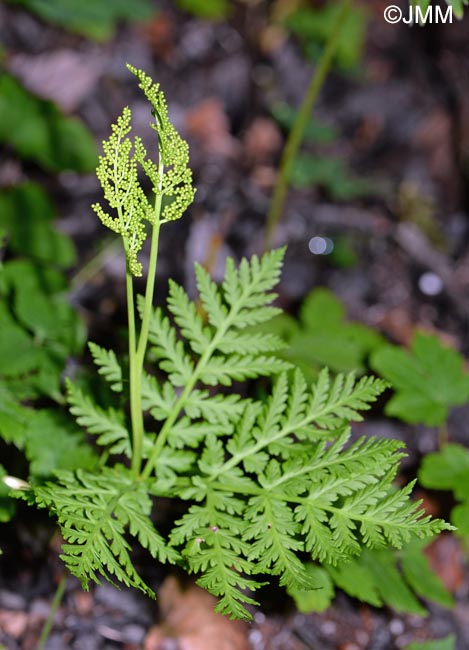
(261, 486)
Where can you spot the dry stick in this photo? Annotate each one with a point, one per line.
(296, 134)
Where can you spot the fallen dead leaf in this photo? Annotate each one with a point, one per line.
(13, 624)
(208, 123)
(262, 140)
(159, 33)
(264, 176)
(83, 602)
(189, 622)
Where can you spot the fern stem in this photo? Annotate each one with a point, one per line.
(163, 434)
(135, 412)
(296, 134)
(137, 370)
(59, 592)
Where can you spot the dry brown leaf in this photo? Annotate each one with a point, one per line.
(208, 123)
(262, 140)
(160, 33)
(189, 622)
(13, 624)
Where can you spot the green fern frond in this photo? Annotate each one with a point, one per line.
(285, 497)
(188, 319)
(158, 399)
(94, 512)
(215, 409)
(270, 482)
(108, 366)
(108, 426)
(222, 371)
(342, 399)
(169, 349)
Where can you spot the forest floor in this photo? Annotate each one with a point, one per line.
(402, 124)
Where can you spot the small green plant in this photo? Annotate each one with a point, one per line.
(427, 380)
(330, 174)
(379, 577)
(208, 9)
(40, 331)
(457, 5)
(315, 26)
(315, 131)
(448, 643)
(36, 130)
(321, 336)
(96, 20)
(321, 170)
(448, 469)
(262, 486)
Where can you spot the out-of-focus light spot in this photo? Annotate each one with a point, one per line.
(15, 483)
(430, 284)
(321, 245)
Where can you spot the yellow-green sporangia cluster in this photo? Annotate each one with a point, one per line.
(174, 152)
(118, 173)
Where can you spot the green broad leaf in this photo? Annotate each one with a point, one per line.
(427, 380)
(208, 9)
(406, 571)
(14, 418)
(49, 318)
(96, 20)
(313, 26)
(356, 579)
(314, 600)
(24, 271)
(325, 338)
(315, 130)
(328, 173)
(460, 518)
(448, 643)
(26, 215)
(40, 306)
(47, 380)
(36, 130)
(18, 353)
(419, 576)
(389, 584)
(53, 444)
(447, 469)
